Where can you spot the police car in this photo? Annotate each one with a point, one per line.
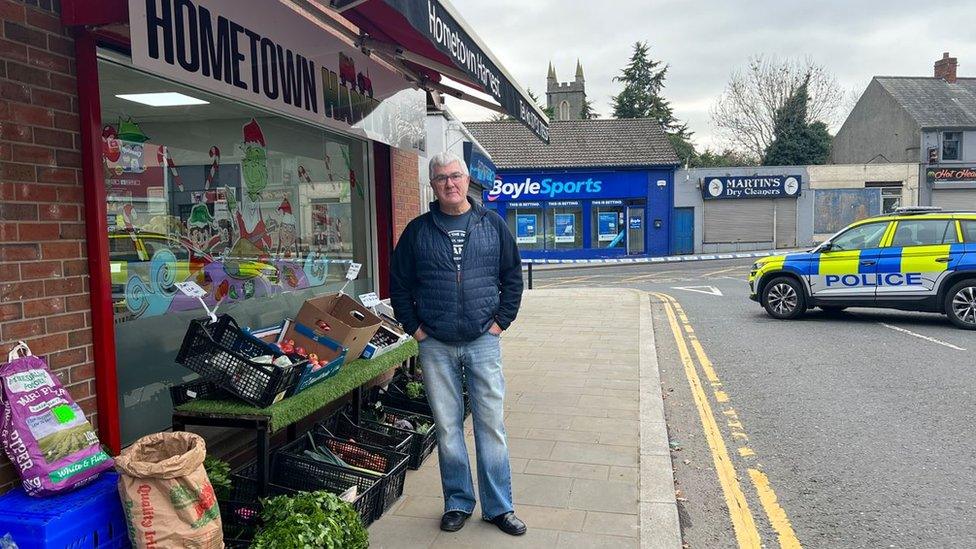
(917, 259)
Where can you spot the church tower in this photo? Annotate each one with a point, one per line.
(566, 99)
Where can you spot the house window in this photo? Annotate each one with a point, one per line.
(564, 110)
(890, 199)
(890, 194)
(951, 145)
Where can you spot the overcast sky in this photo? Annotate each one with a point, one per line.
(704, 41)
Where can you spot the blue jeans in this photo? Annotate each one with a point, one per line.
(480, 361)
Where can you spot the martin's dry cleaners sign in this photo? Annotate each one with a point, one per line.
(759, 186)
(266, 54)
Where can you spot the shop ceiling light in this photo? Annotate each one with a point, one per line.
(162, 99)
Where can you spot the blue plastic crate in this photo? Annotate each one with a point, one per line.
(88, 518)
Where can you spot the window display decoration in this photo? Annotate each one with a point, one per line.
(250, 220)
(225, 245)
(214, 172)
(565, 227)
(526, 228)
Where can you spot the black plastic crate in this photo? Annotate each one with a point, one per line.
(396, 394)
(423, 443)
(340, 425)
(395, 397)
(291, 469)
(196, 389)
(392, 464)
(240, 510)
(223, 353)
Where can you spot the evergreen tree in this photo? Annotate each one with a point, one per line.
(795, 142)
(587, 112)
(728, 157)
(643, 80)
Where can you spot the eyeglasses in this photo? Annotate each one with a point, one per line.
(441, 179)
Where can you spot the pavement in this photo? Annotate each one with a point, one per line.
(847, 430)
(587, 437)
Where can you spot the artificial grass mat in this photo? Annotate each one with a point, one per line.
(305, 403)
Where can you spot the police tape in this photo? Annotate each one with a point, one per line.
(661, 259)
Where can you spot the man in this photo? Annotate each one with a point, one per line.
(456, 284)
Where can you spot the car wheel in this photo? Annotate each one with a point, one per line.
(783, 298)
(832, 309)
(960, 304)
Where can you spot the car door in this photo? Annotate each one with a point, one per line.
(847, 265)
(919, 256)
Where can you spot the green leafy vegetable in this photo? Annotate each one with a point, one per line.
(415, 390)
(218, 471)
(310, 519)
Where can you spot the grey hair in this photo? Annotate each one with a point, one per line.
(446, 159)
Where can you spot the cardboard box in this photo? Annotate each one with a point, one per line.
(326, 349)
(393, 337)
(339, 318)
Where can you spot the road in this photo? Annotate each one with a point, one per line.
(851, 430)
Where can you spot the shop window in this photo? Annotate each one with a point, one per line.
(526, 220)
(564, 225)
(890, 199)
(608, 224)
(261, 211)
(951, 145)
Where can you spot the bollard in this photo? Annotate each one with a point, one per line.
(530, 276)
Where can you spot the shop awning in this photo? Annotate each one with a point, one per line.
(432, 39)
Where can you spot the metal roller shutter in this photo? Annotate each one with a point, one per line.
(954, 199)
(728, 221)
(785, 223)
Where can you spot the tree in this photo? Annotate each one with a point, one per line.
(643, 80)
(500, 117)
(587, 112)
(728, 157)
(796, 141)
(746, 113)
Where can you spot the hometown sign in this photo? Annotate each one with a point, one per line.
(757, 186)
(265, 54)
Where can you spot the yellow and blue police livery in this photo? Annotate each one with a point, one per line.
(917, 259)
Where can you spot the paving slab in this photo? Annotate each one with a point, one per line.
(586, 433)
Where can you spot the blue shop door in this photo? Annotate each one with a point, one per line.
(683, 235)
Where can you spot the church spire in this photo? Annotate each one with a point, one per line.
(579, 69)
(552, 72)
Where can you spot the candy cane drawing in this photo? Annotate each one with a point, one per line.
(163, 157)
(328, 170)
(214, 170)
(352, 174)
(128, 214)
(303, 174)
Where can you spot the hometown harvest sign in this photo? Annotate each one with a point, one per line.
(266, 54)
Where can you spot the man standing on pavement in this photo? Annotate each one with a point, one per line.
(456, 285)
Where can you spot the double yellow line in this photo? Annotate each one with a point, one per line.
(743, 522)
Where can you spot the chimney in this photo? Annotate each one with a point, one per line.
(945, 68)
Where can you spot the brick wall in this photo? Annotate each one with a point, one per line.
(405, 189)
(43, 268)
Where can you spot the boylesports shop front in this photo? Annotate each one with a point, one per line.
(600, 189)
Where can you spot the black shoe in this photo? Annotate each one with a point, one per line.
(452, 521)
(508, 523)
